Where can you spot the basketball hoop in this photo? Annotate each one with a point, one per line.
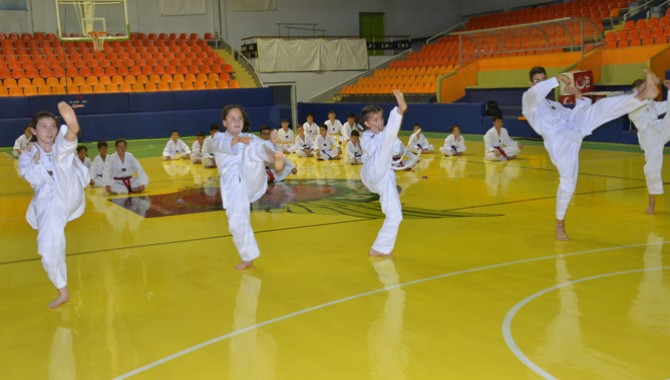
(97, 37)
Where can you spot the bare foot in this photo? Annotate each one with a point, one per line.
(63, 297)
(560, 231)
(649, 89)
(652, 205)
(244, 265)
(377, 253)
(279, 161)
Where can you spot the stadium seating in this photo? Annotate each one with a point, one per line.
(41, 56)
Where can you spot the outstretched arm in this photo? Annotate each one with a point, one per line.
(70, 117)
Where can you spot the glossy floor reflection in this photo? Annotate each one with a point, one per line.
(477, 289)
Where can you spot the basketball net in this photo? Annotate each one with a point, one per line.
(98, 41)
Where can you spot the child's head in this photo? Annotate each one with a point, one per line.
(102, 148)
(417, 127)
(537, 74)
(373, 118)
(301, 131)
(235, 119)
(456, 129)
(121, 145)
(323, 130)
(637, 83)
(174, 136)
(44, 127)
(27, 130)
(351, 119)
(213, 128)
(284, 124)
(82, 152)
(355, 136)
(200, 137)
(265, 132)
(310, 118)
(331, 115)
(497, 121)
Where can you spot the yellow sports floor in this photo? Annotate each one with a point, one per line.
(477, 288)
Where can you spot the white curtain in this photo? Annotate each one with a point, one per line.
(182, 7)
(276, 54)
(254, 5)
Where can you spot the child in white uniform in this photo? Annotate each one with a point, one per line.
(652, 135)
(286, 139)
(241, 159)
(275, 175)
(354, 149)
(310, 127)
(58, 178)
(563, 129)
(420, 143)
(176, 148)
(208, 160)
(98, 166)
(82, 153)
(198, 148)
(499, 146)
(304, 144)
(350, 126)
(377, 174)
(334, 126)
(22, 142)
(454, 144)
(326, 146)
(123, 173)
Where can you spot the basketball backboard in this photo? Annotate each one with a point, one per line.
(77, 19)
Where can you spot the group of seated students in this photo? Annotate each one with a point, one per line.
(121, 172)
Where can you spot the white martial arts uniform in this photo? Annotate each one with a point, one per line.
(354, 153)
(20, 144)
(652, 133)
(327, 146)
(208, 159)
(120, 175)
(286, 139)
(87, 163)
(495, 142)
(347, 129)
(334, 129)
(97, 170)
(302, 144)
(563, 130)
(420, 143)
(58, 180)
(198, 152)
(453, 146)
(379, 177)
(243, 181)
(403, 157)
(311, 129)
(175, 150)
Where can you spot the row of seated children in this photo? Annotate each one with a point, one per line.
(118, 173)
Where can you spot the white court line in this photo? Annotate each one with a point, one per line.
(361, 295)
(507, 322)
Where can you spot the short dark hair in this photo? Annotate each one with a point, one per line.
(101, 144)
(173, 132)
(82, 147)
(120, 141)
(265, 127)
(214, 127)
(455, 126)
(537, 70)
(367, 111)
(200, 134)
(323, 126)
(355, 133)
(351, 114)
(497, 117)
(283, 121)
(637, 83)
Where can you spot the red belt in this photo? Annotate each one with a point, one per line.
(126, 182)
(499, 149)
